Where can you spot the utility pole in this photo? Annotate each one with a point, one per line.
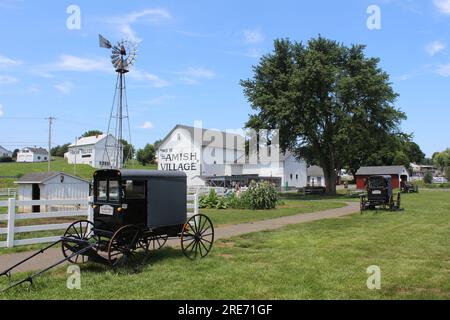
(76, 154)
(50, 123)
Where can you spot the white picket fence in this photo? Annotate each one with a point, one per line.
(202, 190)
(12, 216)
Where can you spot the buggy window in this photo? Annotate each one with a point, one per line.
(113, 190)
(376, 183)
(102, 190)
(135, 190)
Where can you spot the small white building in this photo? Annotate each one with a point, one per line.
(316, 177)
(97, 151)
(31, 155)
(50, 186)
(217, 158)
(5, 153)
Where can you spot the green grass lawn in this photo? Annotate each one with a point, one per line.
(318, 260)
(59, 164)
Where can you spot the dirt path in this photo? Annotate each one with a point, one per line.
(54, 255)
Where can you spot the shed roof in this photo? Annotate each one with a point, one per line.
(41, 177)
(86, 141)
(36, 150)
(381, 170)
(315, 171)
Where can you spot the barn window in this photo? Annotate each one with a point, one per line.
(179, 136)
(291, 176)
(296, 176)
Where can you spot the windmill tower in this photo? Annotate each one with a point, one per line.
(123, 56)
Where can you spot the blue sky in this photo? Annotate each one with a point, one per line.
(192, 55)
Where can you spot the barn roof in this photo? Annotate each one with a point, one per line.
(41, 177)
(225, 136)
(315, 171)
(85, 141)
(381, 170)
(36, 150)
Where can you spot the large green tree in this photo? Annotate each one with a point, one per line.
(128, 150)
(92, 133)
(147, 155)
(331, 103)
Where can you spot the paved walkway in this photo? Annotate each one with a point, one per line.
(55, 254)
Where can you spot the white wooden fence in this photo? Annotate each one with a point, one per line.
(12, 216)
(8, 192)
(201, 190)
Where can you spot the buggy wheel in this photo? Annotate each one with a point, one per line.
(83, 235)
(197, 237)
(122, 248)
(154, 243)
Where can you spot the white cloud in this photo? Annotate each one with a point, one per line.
(64, 87)
(154, 80)
(124, 23)
(74, 63)
(434, 47)
(6, 62)
(1, 111)
(158, 100)
(442, 5)
(147, 125)
(8, 80)
(194, 75)
(444, 70)
(253, 36)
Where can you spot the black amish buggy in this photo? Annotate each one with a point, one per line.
(135, 211)
(380, 193)
(409, 187)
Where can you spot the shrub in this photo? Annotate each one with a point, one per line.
(263, 196)
(209, 201)
(6, 159)
(428, 178)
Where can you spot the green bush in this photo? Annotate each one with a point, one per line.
(6, 159)
(428, 178)
(263, 196)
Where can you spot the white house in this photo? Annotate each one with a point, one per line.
(5, 153)
(32, 155)
(316, 177)
(217, 158)
(50, 186)
(97, 151)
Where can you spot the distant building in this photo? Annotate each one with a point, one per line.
(50, 186)
(419, 171)
(5, 153)
(217, 158)
(398, 174)
(316, 177)
(32, 155)
(96, 151)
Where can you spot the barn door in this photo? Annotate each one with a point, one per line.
(36, 195)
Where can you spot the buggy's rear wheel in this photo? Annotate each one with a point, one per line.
(78, 236)
(197, 237)
(122, 255)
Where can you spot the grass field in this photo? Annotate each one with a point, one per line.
(318, 260)
(59, 165)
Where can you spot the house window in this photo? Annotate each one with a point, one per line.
(179, 136)
(291, 176)
(39, 158)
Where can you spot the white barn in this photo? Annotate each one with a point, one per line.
(96, 151)
(32, 155)
(5, 153)
(50, 186)
(210, 157)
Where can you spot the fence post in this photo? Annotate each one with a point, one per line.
(11, 222)
(90, 210)
(196, 204)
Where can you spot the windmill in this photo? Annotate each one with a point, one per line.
(123, 56)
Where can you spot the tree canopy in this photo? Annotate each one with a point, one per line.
(92, 133)
(332, 105)
(147, 155)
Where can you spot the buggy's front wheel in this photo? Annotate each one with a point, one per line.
(197, 237)
(78, 236)
(122, 255)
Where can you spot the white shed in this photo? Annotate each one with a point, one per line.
(32, 155)
(5, 153)
(51, 186)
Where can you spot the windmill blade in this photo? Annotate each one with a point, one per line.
(104, 43)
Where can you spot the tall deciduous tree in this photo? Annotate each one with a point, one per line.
(330, 102)
(147, 155)
(92, 133)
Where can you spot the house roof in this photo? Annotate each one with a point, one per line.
(381, 170)
(85, 141)
(314, 171)
(225, 136)
(5, 150)
(36, 150)
(41, 177)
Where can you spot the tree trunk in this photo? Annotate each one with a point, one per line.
(330, 180)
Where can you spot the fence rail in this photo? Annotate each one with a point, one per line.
(8, 192)
(12, 216)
